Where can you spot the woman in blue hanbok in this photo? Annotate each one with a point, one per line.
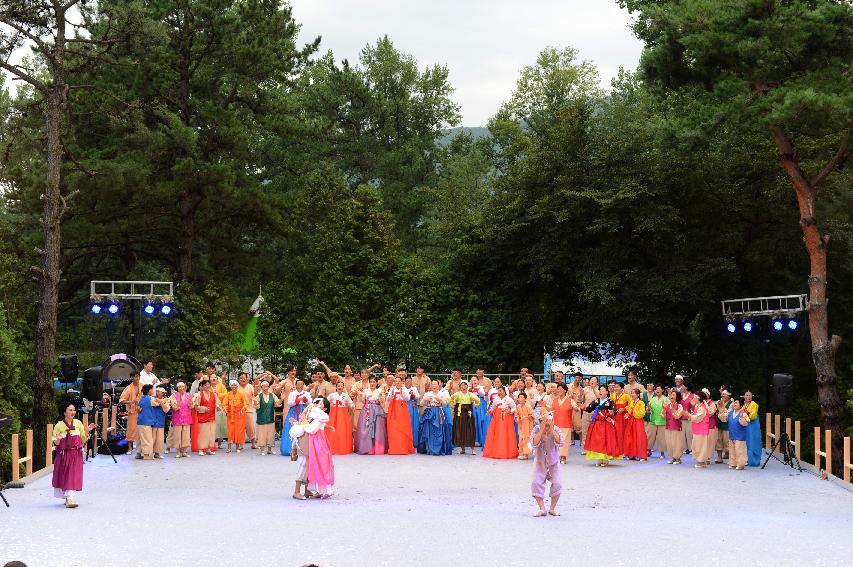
(753, 431)
(480, 427)
(432, 434)
(414, 415)
(296, 401)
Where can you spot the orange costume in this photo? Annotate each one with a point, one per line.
(563, 419)
(340, 433)
(235, 404)
(622, 402)
(400, 438)
(130, 396)
(524, 418)
(501, 442)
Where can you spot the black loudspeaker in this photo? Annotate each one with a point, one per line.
(93, 386)
(70, 370)
(783, 391)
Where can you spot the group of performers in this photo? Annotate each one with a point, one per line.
(399, 413)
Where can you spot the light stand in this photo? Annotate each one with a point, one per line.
(786, 448)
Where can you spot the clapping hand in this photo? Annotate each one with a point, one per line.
(90, 427)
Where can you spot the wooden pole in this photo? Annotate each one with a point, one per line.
(768, 434)
(817, 451)
(48, 455)
(847, 465)
(828, 451)
(29, 452)
(797, 442)
(105, 424)
(16, 455)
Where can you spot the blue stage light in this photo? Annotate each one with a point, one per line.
(166, 310)
(113, 308)
(731, 328)
(792, 324)
(777, 325)
(149, 309)
(96, 308)
(747, 326)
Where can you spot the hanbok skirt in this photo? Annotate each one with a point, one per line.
(68, 464)
(636, 443)
(620, 421)
(221, 425)
(431, 432)
(753, 443)
(601, 443)
(399, 429)
(501, 439)
(464, 434)
(447, 427)
(371, 435)
(415, 421)
(237, 427)
(480, 424)
(286, 445)
(340, 438)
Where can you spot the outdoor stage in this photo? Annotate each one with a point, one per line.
(417, 510)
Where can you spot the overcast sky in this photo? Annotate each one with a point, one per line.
(484, 43)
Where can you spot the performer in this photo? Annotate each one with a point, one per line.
(501, 440)
(205, 403)
(296, 402)
(235, 404)
(657, 422)
(431, 434)
(181, 421)
(590, 395)
(455, 382)
(130, 397)
(636, 443)
(562, 406)
(711, 440)
(372, 433)
(340, 438)
(69, 436)
(162, 405)
(265, 404)
(414, 415)
(700, 423)
(687, 396)
(464, 433)
(723, 407)
(547, 439)
(145, 424)
(491, 396)
(218, 387)
(738, 423)
(479, 411)
(674, 436)
(421, 381)
(621, 400)
(601, 443)
(448, 422)
(248, 389)
(400, 440)
(316, 470)
(524, 419)
(753, 431)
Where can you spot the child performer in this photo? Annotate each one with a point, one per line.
(546, 442)
(339, 418)
(524, 418)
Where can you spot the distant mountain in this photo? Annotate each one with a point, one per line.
(475, 131)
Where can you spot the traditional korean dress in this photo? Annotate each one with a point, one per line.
(68, 462)
(340, 438)
(601, 443)
(431, 433)
(480, 426)
(221, 430)
(636, 444)
(414, 416)
(371, 437)
(464, 433)
(235, 404)
(491, 396)
(400, 440)
(563, 419)
(296, 401)
(674, 435)
(524, 418)
(320, 473)
(621, 419)
(501, 440)
(753, 435)
(447, 424)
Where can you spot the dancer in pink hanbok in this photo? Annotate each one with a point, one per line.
(316, 470)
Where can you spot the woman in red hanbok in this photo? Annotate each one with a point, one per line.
(501, 440)
(340, 436)
(601, 443)
(635, 442)
(400, 439)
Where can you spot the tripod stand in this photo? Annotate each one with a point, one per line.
(789, 453)
(90, 446)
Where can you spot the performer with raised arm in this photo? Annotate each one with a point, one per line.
(547, 440)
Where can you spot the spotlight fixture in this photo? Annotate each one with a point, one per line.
(777, 325)
(113, 308)
(96, 308)
(166, 309)
(792, 324)
(747, 326)
(731, 328)
(149, 309)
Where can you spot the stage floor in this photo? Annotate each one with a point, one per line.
(416, 510)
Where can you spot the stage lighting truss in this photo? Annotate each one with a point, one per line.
(782, 310)
(107, 296)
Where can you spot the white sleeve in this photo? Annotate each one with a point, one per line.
(296, 431)
(414, 391)
(348, 400)
(291, 398)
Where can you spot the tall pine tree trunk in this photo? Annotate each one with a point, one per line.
(824, 347)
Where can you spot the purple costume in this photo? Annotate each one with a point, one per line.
(546, 463)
